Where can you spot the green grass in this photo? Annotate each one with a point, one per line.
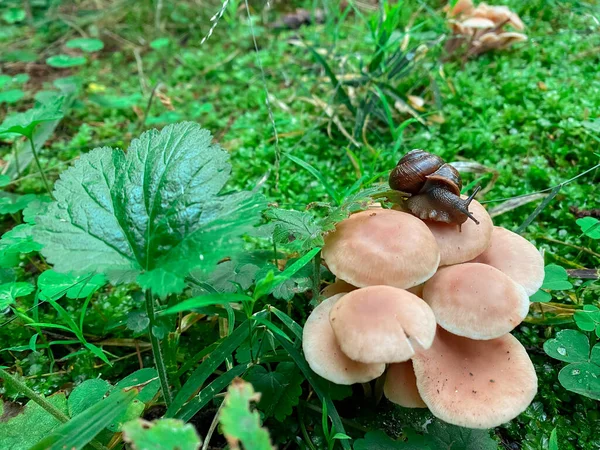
(529, 113)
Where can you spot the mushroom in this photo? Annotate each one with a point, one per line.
(337, 287)
(457, 246)
(382, 247)
(476, 300)
(516, 257)
(475, 384)
(401, 386)
(476, 23)
(323, 354)
(382, 324)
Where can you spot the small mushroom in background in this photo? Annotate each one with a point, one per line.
(324, 355)
(475, 384)
(482, 27)
(382, 247)
(476, 300)
(337, 287)
(382, 324)
(516, 257)
(401, 386)
(457, 246)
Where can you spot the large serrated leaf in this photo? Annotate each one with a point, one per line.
(153, 213)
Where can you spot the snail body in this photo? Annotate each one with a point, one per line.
(434, 187)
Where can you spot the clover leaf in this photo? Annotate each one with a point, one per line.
(590, 226)
(555, 279)
(151, 215)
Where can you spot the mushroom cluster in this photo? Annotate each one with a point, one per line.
(483, 27)
(431, 306)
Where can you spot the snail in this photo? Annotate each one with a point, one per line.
(434, 187)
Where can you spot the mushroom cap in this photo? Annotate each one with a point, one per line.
(401, 386)
(382, 247)
(476, 300)
(382, 324)
(323, 354)
(475, 384)
(337, 287)
(477, 22)
(472, 239)
(462, 7)
(516, 257)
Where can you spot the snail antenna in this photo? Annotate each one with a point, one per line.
(467, 202)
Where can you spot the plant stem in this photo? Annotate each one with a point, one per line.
(39, 166)
(27, 391)
(157, 352)
(317, 277)
(45, 404)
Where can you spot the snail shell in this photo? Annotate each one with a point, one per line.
(434, 187)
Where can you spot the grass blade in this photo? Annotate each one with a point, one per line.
(340, 93)
(80, 430)
(315, 382)
(208, 393)
(288, 321)
(205, 300)
(318, 175)
(539, 209)
(210, 364)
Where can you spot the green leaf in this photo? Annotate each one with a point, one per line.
(450, 437)
(80, 430)
(14, 15)
(555, 278)
(14, 203)
(568, 346)
(24, 123)
(590, 226)
(553, 442)
(137, 321)
(140, 377)
(12, 96)
(163, 434)
(54, 285)
(156, 210)
(298, 229)
(540, 297)
(31, 424)
(159, 43)
(66, 61)
(116, 101)
(86, 395)
(378, 440)
(25, 56)
(238, 423)
(588, 319)
(228, 275)
(17, 241)
(9, 292)
(206, 300)
(582, 378)
(88, 45)
(280, 390)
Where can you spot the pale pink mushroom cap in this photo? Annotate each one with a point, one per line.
(382, 324)
(401, 386)
(323, 354)
(382, 247)
(475, 384)
(477, 22)
(516, 257)
(472, 239)
(476, 300)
